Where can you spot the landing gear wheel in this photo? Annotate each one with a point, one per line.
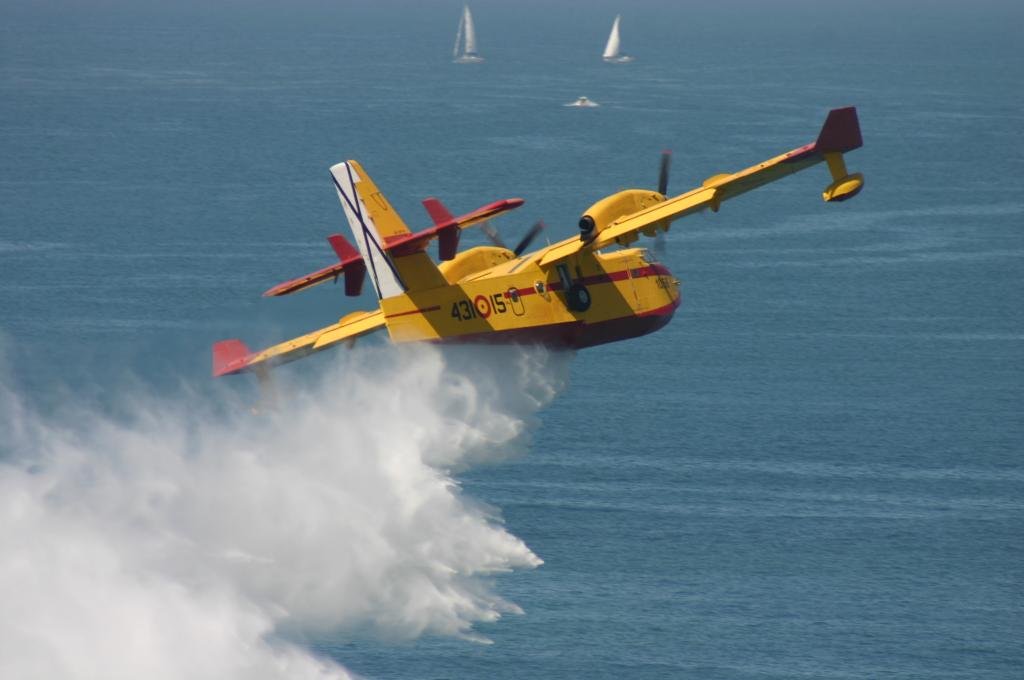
(578, 298)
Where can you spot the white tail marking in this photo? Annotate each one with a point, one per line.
(386, 281)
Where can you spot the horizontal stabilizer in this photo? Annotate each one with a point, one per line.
(308, 281)
(351, 265)
(488, 211)
(229, 356)
(447, 228)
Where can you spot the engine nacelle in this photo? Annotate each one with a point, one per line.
(613, 208)
(472, 261)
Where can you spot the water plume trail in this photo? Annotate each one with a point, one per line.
(172, 543)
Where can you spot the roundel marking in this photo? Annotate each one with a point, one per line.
(483, 306)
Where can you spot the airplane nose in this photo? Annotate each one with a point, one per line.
(668, 282)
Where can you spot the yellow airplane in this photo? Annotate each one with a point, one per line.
(570, 294)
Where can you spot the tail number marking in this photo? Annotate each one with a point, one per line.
(481, 307)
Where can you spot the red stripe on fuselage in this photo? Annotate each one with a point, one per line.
(413, 311)
(576, 334)
(610, 277)
(641, 272)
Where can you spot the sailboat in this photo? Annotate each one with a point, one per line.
(468, 54)
(611, 50)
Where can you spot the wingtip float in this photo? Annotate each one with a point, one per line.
(568, 294)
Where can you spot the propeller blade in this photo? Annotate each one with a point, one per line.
(666, 165)
(492, 234)
(525, 242)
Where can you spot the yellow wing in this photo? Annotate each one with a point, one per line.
(232, 356)
(622, 217)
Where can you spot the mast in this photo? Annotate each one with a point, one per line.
(470, 31)
(611, 50)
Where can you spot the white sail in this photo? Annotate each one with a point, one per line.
(470, 31)
(465, 53)
(458, 36)
(611, 50)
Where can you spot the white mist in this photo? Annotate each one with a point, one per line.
(175, 544)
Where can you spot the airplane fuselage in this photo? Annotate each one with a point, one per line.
(588, 299)
(567, 294)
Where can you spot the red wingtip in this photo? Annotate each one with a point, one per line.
(229, 356)
(841, 131)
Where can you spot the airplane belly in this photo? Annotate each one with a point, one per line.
(575, 334)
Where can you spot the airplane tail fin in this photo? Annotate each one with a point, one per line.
(373, 222)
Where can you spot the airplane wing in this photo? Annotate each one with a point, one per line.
(839, 134)
(232, 356)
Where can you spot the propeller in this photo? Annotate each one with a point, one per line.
(527, 239)
(524, 242)
(663, 170)
(666, 165)
(492, 234)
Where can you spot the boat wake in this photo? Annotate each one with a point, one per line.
(171, 543)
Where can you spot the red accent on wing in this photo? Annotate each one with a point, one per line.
(407, 244)
(229, 356)
(445, 229)
(306, 281)
(841, 131)
(488, 211)
(351, 265)
(799, 154)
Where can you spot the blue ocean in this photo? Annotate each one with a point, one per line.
(816, 470)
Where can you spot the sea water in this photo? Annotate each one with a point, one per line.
(814, 471)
